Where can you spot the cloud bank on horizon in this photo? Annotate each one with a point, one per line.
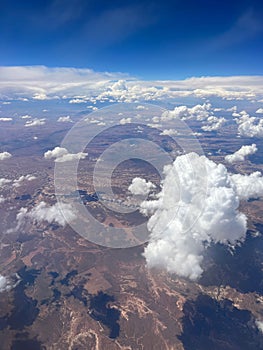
(85, 85)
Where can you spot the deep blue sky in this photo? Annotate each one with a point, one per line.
(149, 39)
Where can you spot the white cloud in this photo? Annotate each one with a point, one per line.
(198, 112)
(3, 283)
(214, 123)
(26, 116)
(71, 156)
(6, 119)
(124, 121)
(35, 122)
(260, 111)
(18, 182)
(40, 96)
(119, 86)
(5, 155)
(259, 324)
(92, 107)
(198, 205)
(77, 100)
(141, 187)
(66, 119)
(39, 82)
(249, 126)
(61, 155)
(248, 186)
(169, 132)
(57, 152)
(232, 109)
(6, 283)
(241, 154)
(4, 181)
(59, 213)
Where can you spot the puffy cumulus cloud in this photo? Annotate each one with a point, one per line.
(249, 126)
(5, 155)
(141, 187)
(57, 152)
(4, 284)
(241, 154)
(177, 112)
(4, 181)
(18, 182)
(65, 119)
(7, 283)
(260, 111)
(40, 96)
(169, 132)
(94, 108)
(26, 116)
(77, 101)
(214, 123)
(94, 121)
(120, 85)
(198, 205)
(60, 155)
(35, 122)
(248, 186)
(232, 109)
(198, 112)
(124, 121)
(259, 324)
(58, 213)
(71, 156)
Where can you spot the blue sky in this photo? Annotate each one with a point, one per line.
(147, 39)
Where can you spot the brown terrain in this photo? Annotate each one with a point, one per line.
(76, 295)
